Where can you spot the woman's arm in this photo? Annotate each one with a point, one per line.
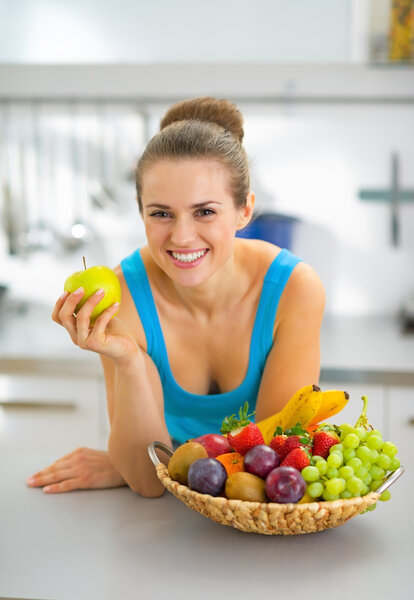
(294, 360)
(137, 420)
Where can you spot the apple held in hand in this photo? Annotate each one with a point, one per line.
(91, 280)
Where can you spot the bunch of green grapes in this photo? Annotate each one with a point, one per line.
(355, 466)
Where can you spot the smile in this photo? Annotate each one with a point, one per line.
(190, 258)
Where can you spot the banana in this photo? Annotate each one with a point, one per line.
(301, 408)
(333, 401)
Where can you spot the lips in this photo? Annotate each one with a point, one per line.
(187, 258)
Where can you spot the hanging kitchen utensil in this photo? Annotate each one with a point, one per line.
(38, 235)
(99, 190)
(80, 232)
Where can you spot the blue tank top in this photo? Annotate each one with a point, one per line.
(189, 415)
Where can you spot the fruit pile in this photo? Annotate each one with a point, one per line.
(306, 462)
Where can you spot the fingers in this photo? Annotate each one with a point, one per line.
(45, 478)
(64, 486)
(103, 320)
(84, 315)
(64, 310)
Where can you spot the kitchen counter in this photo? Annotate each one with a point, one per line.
(108, 544)
(354, 349)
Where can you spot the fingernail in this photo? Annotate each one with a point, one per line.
(30, 480)
(99, 292)
(78, 291)
(63, 295)
(115, 304)
(47, 488)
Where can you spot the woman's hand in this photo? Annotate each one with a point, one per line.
(108, 336)
(82, 469)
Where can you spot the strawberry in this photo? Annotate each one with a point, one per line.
(242, 434)
(298, 458)
(324, 437)
(278, 443)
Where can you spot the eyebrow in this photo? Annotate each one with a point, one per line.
(198, 205)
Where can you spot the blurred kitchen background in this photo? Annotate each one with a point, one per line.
(327, 91)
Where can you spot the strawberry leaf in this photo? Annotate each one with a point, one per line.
(231, 423)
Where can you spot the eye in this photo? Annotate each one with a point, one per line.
(206, 212)
(159, 214)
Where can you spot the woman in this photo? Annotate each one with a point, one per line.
(207, 320)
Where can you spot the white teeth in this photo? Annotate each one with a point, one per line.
(190, 257)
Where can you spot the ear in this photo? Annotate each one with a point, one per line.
(245, 213)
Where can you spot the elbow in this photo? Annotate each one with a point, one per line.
(147, 489)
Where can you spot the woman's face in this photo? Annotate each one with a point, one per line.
(190, 218)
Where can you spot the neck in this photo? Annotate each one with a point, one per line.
(213, 296)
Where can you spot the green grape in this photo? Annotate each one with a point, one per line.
(310, 474)
(361, 472)
(364, 489)
(374, 442)
(386, 495)
(348, 454)
(374, 432)
(374, 485)
(345, 428)
(335, 486)
(327, 496)
(335, 460)
(377, 472)
(355, 463)
(351, 441)
(314, 459)
(363, 453)
(367, 465)
(389, 449)
(346, 494)
(374, 456)
(315, 489)
(346, 472)
(361, 433)
(384, 461)
(354, 485)
(336, 448)
(370, 507)
(395, 463)
(367, 479)
(322, 466)
(331, 473)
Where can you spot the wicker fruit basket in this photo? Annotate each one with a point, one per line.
(268, 518)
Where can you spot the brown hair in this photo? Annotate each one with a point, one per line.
(201, 128)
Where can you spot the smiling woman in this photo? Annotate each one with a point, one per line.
(208, 321)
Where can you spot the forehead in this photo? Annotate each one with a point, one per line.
(190, 179)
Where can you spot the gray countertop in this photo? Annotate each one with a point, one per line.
(108, 544)
(370, 349)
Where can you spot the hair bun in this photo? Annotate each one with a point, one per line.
(221, 112)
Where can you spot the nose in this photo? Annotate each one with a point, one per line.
(182, 232)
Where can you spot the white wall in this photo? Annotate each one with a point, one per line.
(113, 31)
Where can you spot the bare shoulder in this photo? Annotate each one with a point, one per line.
(128, 312)
(256, 254)
(304, 292)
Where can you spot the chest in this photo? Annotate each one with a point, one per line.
(212, 356)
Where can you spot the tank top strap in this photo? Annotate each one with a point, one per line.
(273, 285)
(133, 269)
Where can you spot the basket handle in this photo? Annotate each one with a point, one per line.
(153, 456)
(390, 479)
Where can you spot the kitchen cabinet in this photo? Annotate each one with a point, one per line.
(51, 414)
(400, 417)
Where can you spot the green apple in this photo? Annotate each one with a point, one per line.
(92, 280)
